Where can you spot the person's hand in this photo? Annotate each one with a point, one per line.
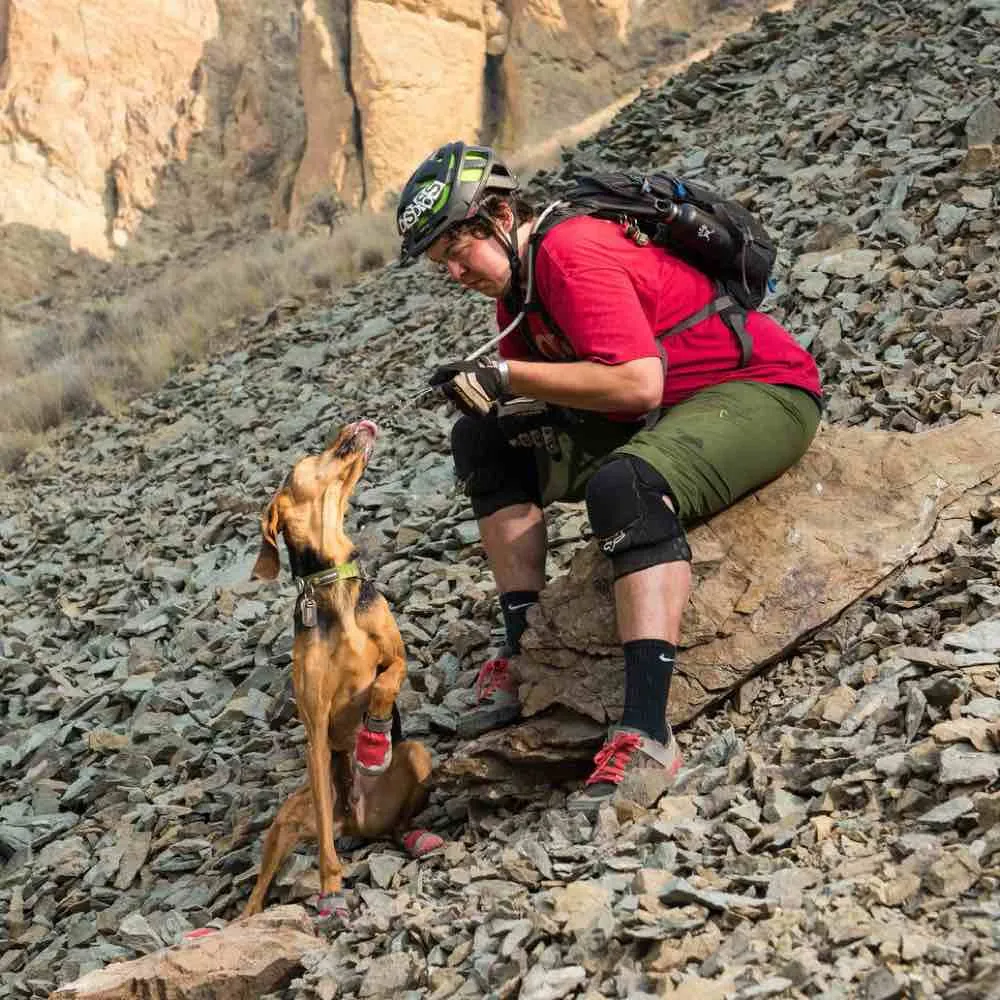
(473, 386)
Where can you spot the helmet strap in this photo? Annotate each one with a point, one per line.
(509, 243)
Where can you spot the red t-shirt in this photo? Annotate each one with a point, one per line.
(608, 297)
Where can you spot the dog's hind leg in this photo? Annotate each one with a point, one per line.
(295, 821)
(415, 779)
(416, 841)
(387, 803)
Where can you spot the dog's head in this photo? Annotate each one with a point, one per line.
(310, 506)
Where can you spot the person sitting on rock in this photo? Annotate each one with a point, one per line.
(563, 414)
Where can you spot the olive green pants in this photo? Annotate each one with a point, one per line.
(711, 449)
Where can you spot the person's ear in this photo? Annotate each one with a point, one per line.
(505, 216)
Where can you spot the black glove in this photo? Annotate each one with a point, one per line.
(529, 423)
(473, 386)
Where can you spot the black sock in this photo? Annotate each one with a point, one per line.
(649, 664)
(514, 605)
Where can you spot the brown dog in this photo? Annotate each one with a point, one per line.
(347, 667)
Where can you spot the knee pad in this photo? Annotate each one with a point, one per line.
(493, 475)
(633, 524)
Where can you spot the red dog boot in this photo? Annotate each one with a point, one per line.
(373, 746)
(332, 904)
(420, 843)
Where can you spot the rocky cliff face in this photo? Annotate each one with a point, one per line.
(178, 116)
(97, 99)
(189, 116)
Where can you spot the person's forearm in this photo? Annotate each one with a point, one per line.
(633, 387)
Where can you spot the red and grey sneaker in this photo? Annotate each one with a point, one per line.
(630, 767)
(496, 698)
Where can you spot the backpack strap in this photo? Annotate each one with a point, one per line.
(551, 216)
(724, 305)
(520, 303)
(733, 315)
(735, 318)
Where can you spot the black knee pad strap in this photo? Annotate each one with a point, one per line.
(634, 526)
(492, 473)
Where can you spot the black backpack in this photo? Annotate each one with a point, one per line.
(712, 233)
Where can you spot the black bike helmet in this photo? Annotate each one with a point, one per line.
(446, 189)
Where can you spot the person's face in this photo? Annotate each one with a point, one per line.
(478, 264)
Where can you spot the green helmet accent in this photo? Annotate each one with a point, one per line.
(446, 189)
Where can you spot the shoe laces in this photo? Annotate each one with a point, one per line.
(494, 675)
(613, 758)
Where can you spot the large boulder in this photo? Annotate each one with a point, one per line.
(245, 960)
(768, 572)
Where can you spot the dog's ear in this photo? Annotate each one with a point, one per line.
(267, 565)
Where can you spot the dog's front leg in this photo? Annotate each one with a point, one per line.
(319, 782)
(315, 713)
(373, 750)
(385, 689)
(392, 654)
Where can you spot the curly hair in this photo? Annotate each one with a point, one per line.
(491, 205)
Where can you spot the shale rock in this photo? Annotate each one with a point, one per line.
(834, 832)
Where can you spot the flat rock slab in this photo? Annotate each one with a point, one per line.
(768, 572)
(241, 962)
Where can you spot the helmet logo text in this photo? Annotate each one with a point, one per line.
(423, 202)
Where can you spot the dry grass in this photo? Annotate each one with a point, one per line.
(99, 357)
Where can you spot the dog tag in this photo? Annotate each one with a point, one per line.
(308, 611)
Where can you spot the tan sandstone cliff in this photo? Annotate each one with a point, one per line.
(159, 117)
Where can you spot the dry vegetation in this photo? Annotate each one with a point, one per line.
(98, 357)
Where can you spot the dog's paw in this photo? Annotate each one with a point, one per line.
(420, 843)
(372, 751)
(331, 905)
